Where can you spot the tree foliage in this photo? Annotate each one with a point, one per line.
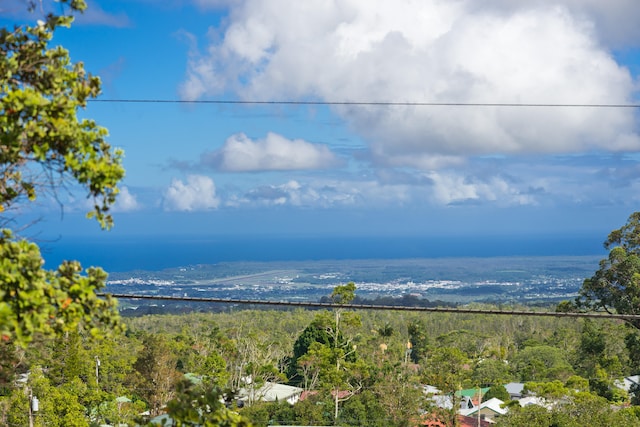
(615, 286)
(580, 409)
(196, 406)
(44, 146)
(35, 300)
(542, 363)
(156, 374)
(419, 341)
(499, 392)
(43, 142)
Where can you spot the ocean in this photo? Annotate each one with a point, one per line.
(118, 254)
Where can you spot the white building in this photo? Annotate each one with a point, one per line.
(271, 392)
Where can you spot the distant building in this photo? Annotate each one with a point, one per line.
(535, 400)
(271, 392)
(514, 390)
(628, 382)
(489, 410)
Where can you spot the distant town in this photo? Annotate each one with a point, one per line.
(513, 280)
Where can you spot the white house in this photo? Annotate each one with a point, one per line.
(627, 382)
(270, 392)
(489, 410)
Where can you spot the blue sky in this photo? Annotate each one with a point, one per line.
(363, 170)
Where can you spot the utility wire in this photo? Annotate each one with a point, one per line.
(308, 304)
(361, 103)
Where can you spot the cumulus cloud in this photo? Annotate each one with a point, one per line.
(449, 189)
(614, 21)
(126, 202)
(198, 193)
(364, 50)
(273, 153)
(316, 194)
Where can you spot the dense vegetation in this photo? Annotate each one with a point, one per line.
(144, 369)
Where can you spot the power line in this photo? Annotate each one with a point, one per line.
(361, 103)
(309, 304)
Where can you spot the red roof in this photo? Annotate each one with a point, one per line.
(305, 394)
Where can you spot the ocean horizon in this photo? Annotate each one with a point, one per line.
(118, 254)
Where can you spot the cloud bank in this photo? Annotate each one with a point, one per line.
(508, 52)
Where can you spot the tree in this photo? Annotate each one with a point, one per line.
(418, 339)
(323, 344)
(156, 372)
(35, 300)
(398, 394)
(445, 368)
(499, 392)
(490, 371)
(632, 342)
(340, 379)
(257, 357)
(593, 361)
(615, 286)
(541, 363)
(528, 415)
(578, 409)
(59, 405)
(45, 146)
(199, 354)
(196, 406)
(553, 390)
(365, 409)
(300, 371)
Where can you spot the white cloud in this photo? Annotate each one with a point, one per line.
(365, 50)
(275, 152)
(126, 201)
(321, 194)
(438, 189)
(198, 193)
(614, 21)
(450, 188)
(500, 182)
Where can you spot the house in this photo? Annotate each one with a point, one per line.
(271, 392)
(467, 402)
(628, 382)
(534, 400)
(515, 390)
(430, 390)
(472, 393)
(489, 410)
(435, 395)
(468, 398)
